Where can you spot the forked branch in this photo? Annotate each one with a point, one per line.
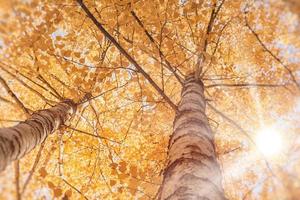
(168, 64)
(12, 94)
(126, 54)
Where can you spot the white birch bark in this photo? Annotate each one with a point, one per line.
(192, 170)
(17, 141)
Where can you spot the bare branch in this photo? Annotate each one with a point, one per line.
(209, 27)
(5, 100)
(216, 47)
(244, 85)
(29, 79)
(74, 188)
(32, 170)
(28, 87)
(244, 133)
(17, 179)
(27, 113)
(56, 94)
(12, 94)
(168, 65)
(10, 120)
(211, 22)
(94, 97)
(272, 54)
(124, 52)
(90, 134)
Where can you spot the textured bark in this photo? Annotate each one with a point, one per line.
(192, 170)
(18, 140)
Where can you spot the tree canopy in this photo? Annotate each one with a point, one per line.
(124, 62)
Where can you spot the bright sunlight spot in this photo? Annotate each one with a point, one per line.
(269, 141)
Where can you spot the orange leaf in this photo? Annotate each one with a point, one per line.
(43, 172)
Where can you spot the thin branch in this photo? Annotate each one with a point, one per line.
(254, 187)
(211, 22)
(28, 78)
(17, 179)
(168, 64)
(243, 132)
(32, 170)
(231, 150)
(218, 9)
(272, 54)
(10, 120)
(220, 35)
(124, 52)
(56, 94)
(27, 113)
(5, 100)
(209, 27)
(244, 85)
(28, 87)
(90, 134)
(94, 97)
(12, 94)
(200, 57)
(216, 47)
(231, 122)
(74, 188)
(89, 66)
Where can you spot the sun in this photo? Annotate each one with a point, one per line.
(269, 141)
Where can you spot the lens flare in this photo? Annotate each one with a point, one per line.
(269, 141)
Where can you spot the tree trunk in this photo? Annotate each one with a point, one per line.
(18, 140)
(192, 171)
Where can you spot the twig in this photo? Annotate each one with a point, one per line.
(12, 94)
(32, 170)
(94, 97)
(231, 150)
(28, 78)
(10, 120)
(256, 185)
(124, 52)
(27, 113)
(168, 65)
(74, 188)
(242, 131)
(5, 100)
(90, 134)
(213, 16)
(272, 54)
(17, 179)
(56, 94)
(27, 86)
(216, 47)
(209, 27)
(244, 85)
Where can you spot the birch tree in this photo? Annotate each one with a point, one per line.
(18, 140)
(174, 99)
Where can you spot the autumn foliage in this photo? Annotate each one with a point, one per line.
(124, 62)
